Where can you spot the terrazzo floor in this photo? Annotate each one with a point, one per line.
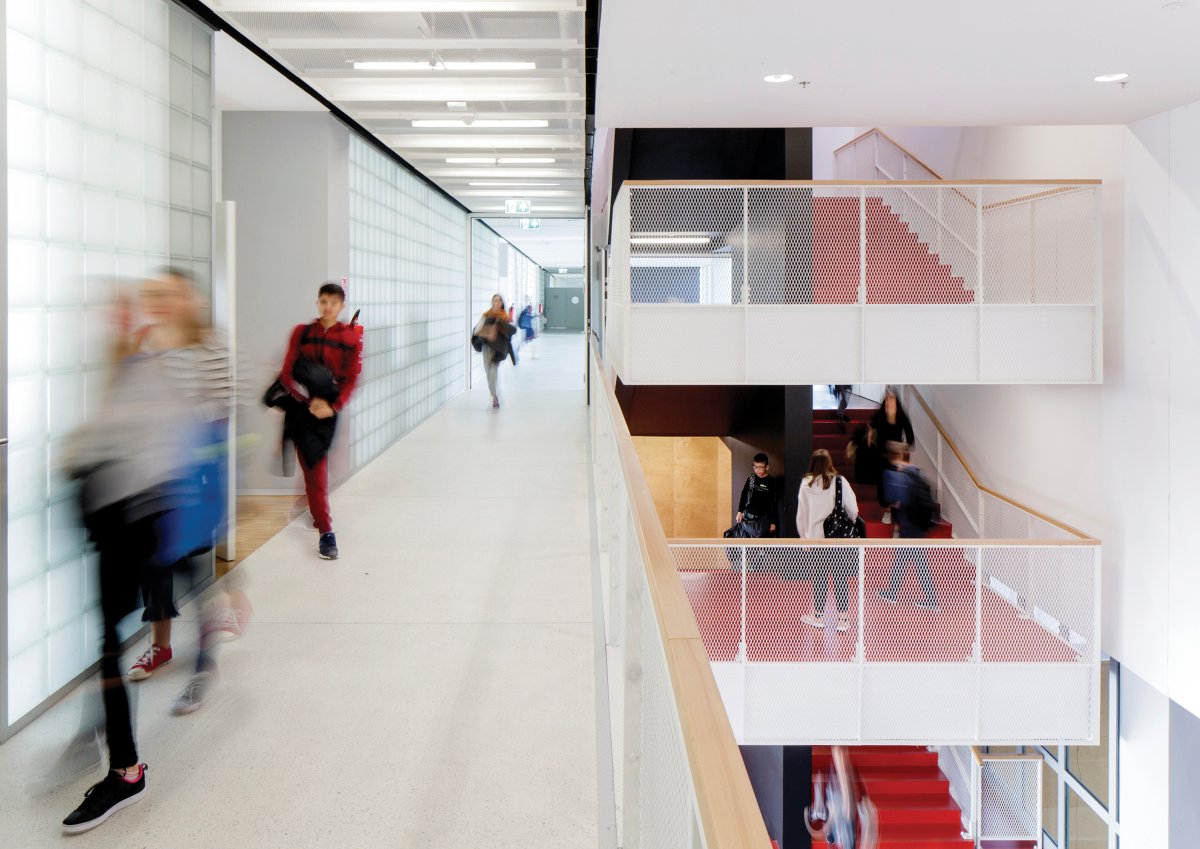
(432, 688)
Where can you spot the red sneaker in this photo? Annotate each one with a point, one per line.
(155, 657)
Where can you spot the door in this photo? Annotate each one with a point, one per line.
(564, 309)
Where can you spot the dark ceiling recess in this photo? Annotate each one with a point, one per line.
(591, 35)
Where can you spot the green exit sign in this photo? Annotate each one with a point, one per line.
(517, 206)
(531, 223)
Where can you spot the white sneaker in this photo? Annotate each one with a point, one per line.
(887, 518)
(812, 619)
(192, 697)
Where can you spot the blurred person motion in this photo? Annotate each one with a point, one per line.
(151, 461)
(320, 371)
(911, 499)
(828, 512)
(889, 424)
(492, 337)
(839, 816)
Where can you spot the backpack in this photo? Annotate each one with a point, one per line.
(918, 507)
(838, 524)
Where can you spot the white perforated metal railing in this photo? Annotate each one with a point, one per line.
(679, 778)
(883, 281)
(939, 640)
(1000, 794)
(974, 510)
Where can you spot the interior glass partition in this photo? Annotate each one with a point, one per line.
(109, 168)
(407, 271)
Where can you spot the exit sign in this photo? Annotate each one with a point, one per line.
(531, 223)
(517, 206)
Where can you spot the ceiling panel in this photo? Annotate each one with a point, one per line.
(533, 105)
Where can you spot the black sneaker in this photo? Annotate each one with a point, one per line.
(103, 800)
(328, 546)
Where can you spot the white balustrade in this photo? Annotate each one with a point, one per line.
(1000, 794)
(870, 282)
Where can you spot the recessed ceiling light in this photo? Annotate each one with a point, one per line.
(510, 185)
(526, 160)
(777, 78)
(1112, 78)
(470, 160)
(438, 65)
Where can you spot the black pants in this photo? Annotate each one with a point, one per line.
(128, 579)
(840, 566)
(902, 560)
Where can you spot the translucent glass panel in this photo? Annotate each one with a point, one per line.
(109, 172)
(408, 274)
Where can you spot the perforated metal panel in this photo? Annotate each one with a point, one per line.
(915, 261)
(1010, 799)
(936, 617)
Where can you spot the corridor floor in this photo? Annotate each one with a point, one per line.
(432, 688)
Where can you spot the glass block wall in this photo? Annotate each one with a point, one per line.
(407, 273)
(109, 175)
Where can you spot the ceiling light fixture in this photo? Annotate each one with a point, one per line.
(777, 78)
(670, 240)
(527, 160)
(456, 105)
(1112, 78)
(439, 65)
(507, 185)
(562, 271)
(666, 234)
(486, 123)
(470, 160)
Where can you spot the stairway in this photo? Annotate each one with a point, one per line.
(900, 268)
(910, 794)
(828, 434)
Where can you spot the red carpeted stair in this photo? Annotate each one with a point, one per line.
(828, 434)
(910, 794)
(901, 269)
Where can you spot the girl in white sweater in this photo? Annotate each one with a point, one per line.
(817, 497)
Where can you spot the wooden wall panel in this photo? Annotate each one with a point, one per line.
(657, 456)
(724, 494)
(688, 477)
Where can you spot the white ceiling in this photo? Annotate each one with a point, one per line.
(555, 244)
(320, 40)
(888, 63)
(245, 83)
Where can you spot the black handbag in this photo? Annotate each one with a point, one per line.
(838, 524)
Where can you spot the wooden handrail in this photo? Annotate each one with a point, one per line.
(878, 132)
(876, 542)
(979, 485)
(725, 799)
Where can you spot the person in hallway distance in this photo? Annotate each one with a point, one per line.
(320, 371)
(909, 497)
(760, 503)
(889, 424)
(815, 502)
(492, 337)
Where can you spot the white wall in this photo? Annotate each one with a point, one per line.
(1117, 460)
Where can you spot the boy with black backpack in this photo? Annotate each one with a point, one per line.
(907, 491)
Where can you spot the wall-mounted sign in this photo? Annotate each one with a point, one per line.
(531, 223)
(517, 206)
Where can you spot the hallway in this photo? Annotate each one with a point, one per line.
(432, 688)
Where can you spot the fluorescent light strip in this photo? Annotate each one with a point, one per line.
(471, 160)
(439, 65)
(666, 233)
(527, 160)
(670, 240)
(483, 123)
(512, 185)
